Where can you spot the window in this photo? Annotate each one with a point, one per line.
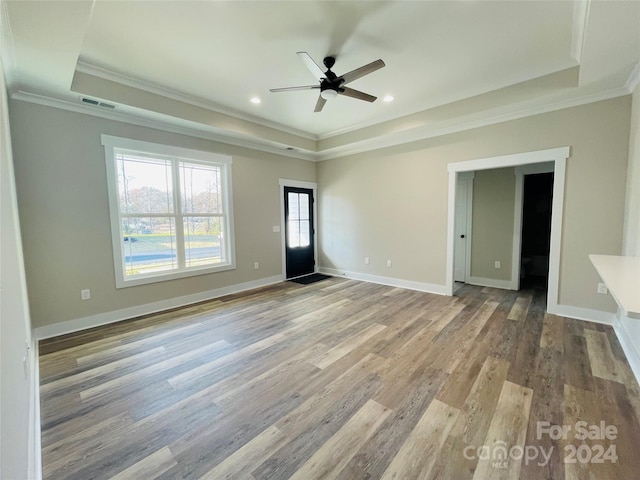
(171, 212)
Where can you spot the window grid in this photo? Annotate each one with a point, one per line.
(177, 206)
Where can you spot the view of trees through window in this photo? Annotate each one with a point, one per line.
(172, 213)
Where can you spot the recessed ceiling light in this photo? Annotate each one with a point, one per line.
(388, 98)
(255, 100)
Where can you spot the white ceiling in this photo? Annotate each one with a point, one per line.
(216, 55)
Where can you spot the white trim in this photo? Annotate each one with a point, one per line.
(460, 125)
(35, 456)
(634, 78)
(400, 137)
(579, 313)
(285, 182)
(76, 325)
(149, 87)
(392, 282)
(512, 160)
(630, 350)
(112, 143)
(578, 27)
(559, 157)
(167, 124)
(491, 282)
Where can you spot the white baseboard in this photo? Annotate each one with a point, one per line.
(392, 282)
(84, 323)
(630, 351)
(491, 282)
(35, 443)
(579, 313)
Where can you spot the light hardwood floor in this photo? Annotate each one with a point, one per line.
(341, 380)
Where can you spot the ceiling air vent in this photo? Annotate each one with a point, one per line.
(97, 103)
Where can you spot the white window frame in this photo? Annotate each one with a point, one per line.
(111, 145)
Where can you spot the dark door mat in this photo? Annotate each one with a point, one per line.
(313, 278)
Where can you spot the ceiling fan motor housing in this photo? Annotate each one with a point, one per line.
(331, 83)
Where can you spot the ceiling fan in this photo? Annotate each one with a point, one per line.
(332, 85)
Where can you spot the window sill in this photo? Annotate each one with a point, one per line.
(164, 277)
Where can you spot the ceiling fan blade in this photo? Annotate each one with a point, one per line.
(362, 71)
(313, 67)
(350, 92)
(291, 89)
(320, 104)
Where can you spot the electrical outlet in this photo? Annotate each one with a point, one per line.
(497, 264)
(602, 288)
(388, 263)
(256, 265)
(366, 260)
(85, 294)
(276, 229)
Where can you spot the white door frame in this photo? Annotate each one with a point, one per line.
(284, 182)
(559, 158)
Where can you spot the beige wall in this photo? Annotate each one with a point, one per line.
(62, 196)
(492, 224)
(387, 205)
(392, 203)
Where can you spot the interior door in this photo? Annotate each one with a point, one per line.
(461, 234)
(299, 246)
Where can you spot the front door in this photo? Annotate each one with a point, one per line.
(299, 247)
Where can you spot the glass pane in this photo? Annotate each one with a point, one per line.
(293, 206)
(144, 184)
(293, 233)
(148, 248)
(201, 187)
(304, 206)
(304, 233)
(203, 241)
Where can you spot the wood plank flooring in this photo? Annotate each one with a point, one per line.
(342, 380)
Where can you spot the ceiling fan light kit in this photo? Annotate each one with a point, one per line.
(328, 94)
(332, 85)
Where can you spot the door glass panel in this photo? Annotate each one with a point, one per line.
(304, 206)
(294, 212)
(294, 233)
(304, 233)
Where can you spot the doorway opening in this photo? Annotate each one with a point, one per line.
(554, 156)
(537, 201)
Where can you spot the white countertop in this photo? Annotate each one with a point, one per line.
(621, 275)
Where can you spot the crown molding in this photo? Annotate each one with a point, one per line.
(7, 47)
(105, 74)
(468, 123)
(579, 26)
(634, 79)
(205, 133)
(424, 132)
(423, 107)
